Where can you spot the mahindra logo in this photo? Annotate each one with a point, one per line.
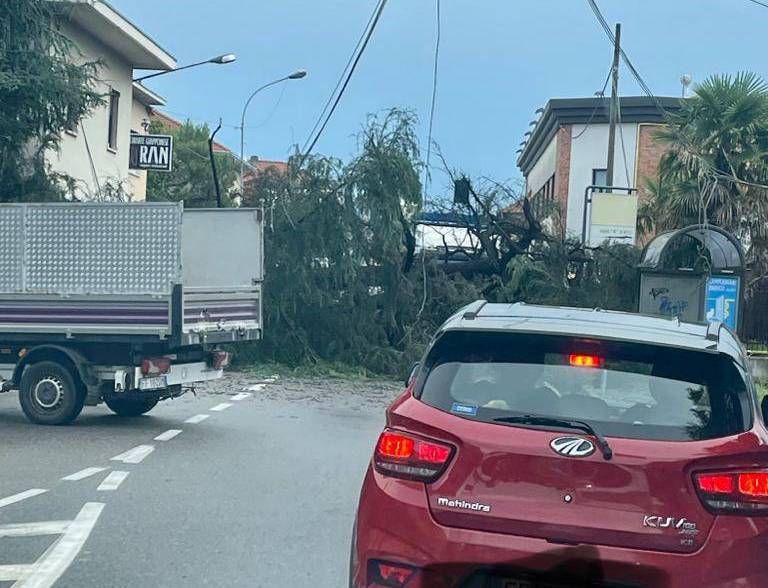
(572, 446)
(462, 504)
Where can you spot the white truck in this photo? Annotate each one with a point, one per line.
(126, 304)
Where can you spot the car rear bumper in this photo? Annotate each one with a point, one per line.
(394, 524)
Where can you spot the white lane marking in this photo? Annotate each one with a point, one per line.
(57, 558)
(12, 572)
(241, 396)
(82, 474)
(112, 481)
(220, 407)
(198, 418)
(257, 387)
(168, 435)
(21, 496)
(135, 455)
(34, 529)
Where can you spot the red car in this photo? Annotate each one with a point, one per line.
(553, 447)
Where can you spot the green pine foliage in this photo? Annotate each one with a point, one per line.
(340, 288)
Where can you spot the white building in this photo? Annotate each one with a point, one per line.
(567, 151)
(96, 152)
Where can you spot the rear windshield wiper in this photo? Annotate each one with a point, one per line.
(545, 421)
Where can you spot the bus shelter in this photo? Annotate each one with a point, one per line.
(695, 273)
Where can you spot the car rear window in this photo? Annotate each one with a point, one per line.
(629, 390)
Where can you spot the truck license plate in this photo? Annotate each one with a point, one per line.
(153, 383)
(518, 584)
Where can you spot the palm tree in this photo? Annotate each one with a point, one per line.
(716, 170)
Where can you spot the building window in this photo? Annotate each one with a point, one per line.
(134, 172)
(599, 177)
(114, 105)
(543, 201)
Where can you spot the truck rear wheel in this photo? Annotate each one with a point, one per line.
(130, 406)
(50, 394)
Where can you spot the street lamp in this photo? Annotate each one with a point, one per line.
(297, 75)
(219, 59)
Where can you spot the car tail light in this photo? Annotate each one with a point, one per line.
(219, 359)
(403, 455)
(580, 360)
(155, 366)
(744, 492)
(384, 573)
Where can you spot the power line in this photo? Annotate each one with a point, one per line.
(635, 74)
(621, 140)
(377, 15)
(341, 77)
(427, 171)
(432, 105)
(273, 111)
(90, 159)
(763, 4)
(597, 106)
(711, 168)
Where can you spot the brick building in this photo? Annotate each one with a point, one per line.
(567, 151)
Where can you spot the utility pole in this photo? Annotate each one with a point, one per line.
(614, 110)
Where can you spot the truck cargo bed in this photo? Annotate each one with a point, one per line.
(145, 271)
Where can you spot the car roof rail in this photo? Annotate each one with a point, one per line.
(713, 330)
(473, 309)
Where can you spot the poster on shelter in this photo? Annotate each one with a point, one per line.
(722, 303)
(672, 296)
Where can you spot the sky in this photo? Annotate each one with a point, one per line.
(499, 61)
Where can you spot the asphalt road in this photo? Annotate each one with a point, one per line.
(261, 491)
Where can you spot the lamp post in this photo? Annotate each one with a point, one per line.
(297, 75)
(219, 59)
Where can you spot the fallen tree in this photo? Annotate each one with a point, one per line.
(345, 281)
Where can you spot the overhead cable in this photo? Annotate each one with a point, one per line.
(349, 72)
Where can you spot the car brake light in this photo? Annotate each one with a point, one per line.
(734, 492)
(384, 573)
(155, 366)
(403, 455)
(579, 360)
(219, 359)
(716, 483)
(754, 484)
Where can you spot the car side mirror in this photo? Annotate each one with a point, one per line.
(764, 408)
(412, 374)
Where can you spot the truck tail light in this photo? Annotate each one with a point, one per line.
(403, 455)
(219, 359)
(740, 492)
(156, 366)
